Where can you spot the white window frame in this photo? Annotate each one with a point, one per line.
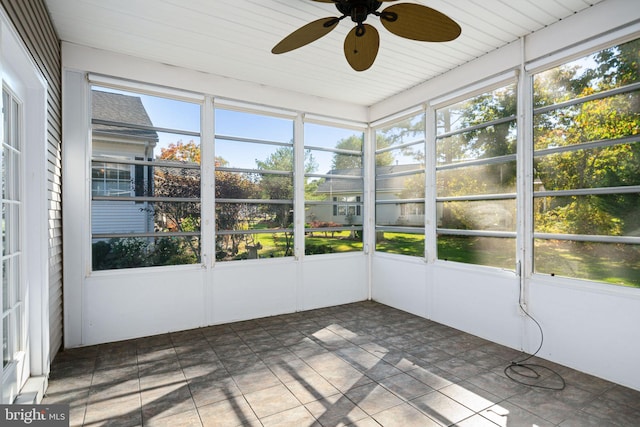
(22, 76)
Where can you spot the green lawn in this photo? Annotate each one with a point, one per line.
(615, 264)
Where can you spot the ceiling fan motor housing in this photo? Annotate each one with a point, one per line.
(358, 10)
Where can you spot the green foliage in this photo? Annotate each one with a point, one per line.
(600, 119)
(278, 187)
(408, 130)
(132, 252)
(347, 161)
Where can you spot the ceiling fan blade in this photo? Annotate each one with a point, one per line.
(361, 49)
(306, 34)
(417, 22)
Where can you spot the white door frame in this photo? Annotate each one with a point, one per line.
(21, 74)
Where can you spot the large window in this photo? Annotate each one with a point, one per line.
(476, 179)
(400, 186)
(13, 306)
(587, 167)
(253, 185)
(145, 180)
(333, 189)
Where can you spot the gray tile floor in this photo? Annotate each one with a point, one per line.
(362, 364)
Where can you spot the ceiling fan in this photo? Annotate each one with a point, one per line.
(408, 20)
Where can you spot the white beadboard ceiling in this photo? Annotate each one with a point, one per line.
(233, 38)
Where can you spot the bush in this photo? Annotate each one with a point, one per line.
(132, 252)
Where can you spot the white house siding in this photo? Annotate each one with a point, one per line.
(120, 217)
(32, 22)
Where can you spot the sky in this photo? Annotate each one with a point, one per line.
(180, 115)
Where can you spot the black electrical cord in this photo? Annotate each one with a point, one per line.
(518, 370)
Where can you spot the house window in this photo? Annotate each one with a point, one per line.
(400, 186)
(145, 180)
(254, 160)
(586, 206)
(333, 188)
(476, 179)
(347, 206)
(111, 179)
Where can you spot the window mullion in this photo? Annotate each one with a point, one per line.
(207, 189)
(298, 185)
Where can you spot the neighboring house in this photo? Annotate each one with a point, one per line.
(347, 197)
(120, 179)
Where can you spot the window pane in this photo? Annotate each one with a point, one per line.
(140, 109)
(242, 185)
(497, 178)
(233, 216)
(7, 357)
(498, 215)
(252, 246)
(166, 181)
(494, 105)
(400, 187)
(316, 135)
(405, 131)
(411, 244)
(613, 263)
(401, 159)
(247, 155)
(479, 128)
(487, 142)
(597, 214)
(133, 252)
(609, 122)
(6, 281)
(343, 210)
(334, 206)
(325, 242)
(400, 214)
(253, 126)
(326, 162)
(491, 251)
(607, 118)
(607, 69)
(612, 166)
(134, 160)
(265, 144)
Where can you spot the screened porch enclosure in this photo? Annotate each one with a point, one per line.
(506, 187)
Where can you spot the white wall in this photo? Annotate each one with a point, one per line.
(132, 303)
(590, 327)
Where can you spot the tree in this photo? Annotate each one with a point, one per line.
(601, 119)
(179, 151)
(280, 187)
(348, 161)
(178, 182)
(404, 131)
(232, 216)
